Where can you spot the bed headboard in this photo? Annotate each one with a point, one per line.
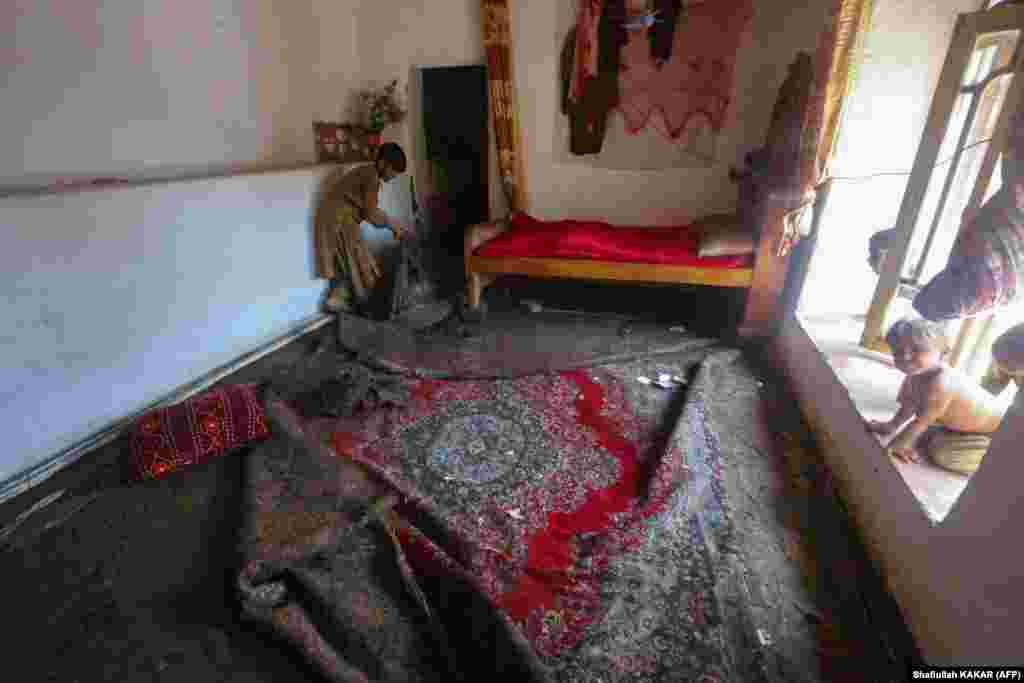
(772, 171)
(769, 187)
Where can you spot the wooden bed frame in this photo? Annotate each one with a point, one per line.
(767, 191)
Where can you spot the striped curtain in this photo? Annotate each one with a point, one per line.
(837, 60)
(497, 35)
(835, 64)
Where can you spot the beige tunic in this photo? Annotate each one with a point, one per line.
(339, 248)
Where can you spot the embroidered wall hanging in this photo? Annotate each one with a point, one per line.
(647, 83)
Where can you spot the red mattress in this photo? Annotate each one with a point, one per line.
(596, 241)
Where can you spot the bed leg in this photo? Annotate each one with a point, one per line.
(474, 288)
(475, 285)
(764, 306)
(756, 325)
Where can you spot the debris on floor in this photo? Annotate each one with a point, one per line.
(23, 517)
(663, 381)
(791, 529)
(424, 316)
(532, 305)
(43, 518)
(351, 387)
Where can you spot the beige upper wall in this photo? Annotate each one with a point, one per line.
(396, 37)
(103, 88)
(98, 88)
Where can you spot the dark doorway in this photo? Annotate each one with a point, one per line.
(455, 129)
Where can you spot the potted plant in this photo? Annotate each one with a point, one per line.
(381, 108)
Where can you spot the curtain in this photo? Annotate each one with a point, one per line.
(837, 60)
(835, 63)
(497, 36)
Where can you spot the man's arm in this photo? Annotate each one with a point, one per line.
(374, 216)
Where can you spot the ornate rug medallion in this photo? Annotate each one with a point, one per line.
(477, 449)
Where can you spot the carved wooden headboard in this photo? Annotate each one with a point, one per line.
(769, 187)
(773, 170)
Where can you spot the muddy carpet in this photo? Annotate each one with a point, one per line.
(581, 511)
(669, 506)
(512, 342)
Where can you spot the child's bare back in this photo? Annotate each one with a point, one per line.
(952, 399)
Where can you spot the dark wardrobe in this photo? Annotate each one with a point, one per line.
(455, 127)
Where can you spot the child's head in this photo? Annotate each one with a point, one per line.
(878, 247)
(917, 344)
(1008, 353)
(390, 161)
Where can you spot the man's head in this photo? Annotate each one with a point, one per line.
(917, 344)
(391, 161)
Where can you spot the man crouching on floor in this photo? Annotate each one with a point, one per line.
(953, 416)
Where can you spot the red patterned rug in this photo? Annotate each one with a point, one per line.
(584, 509)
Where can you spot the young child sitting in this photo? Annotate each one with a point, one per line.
(953, 415)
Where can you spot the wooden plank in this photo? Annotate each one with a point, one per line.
(766, 195)
(946, 92)
(611, 270)
(763, 311)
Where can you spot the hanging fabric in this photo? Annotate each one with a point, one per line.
(835, 64)
(590, 72)
(838, 58)
(497, 38)
(588, 17)
(683, 70)
(665, 16)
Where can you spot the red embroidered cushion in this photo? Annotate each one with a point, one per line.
(204, 426)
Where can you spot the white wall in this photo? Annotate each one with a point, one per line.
(959, 585)
(158, 89)
(114, 298)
